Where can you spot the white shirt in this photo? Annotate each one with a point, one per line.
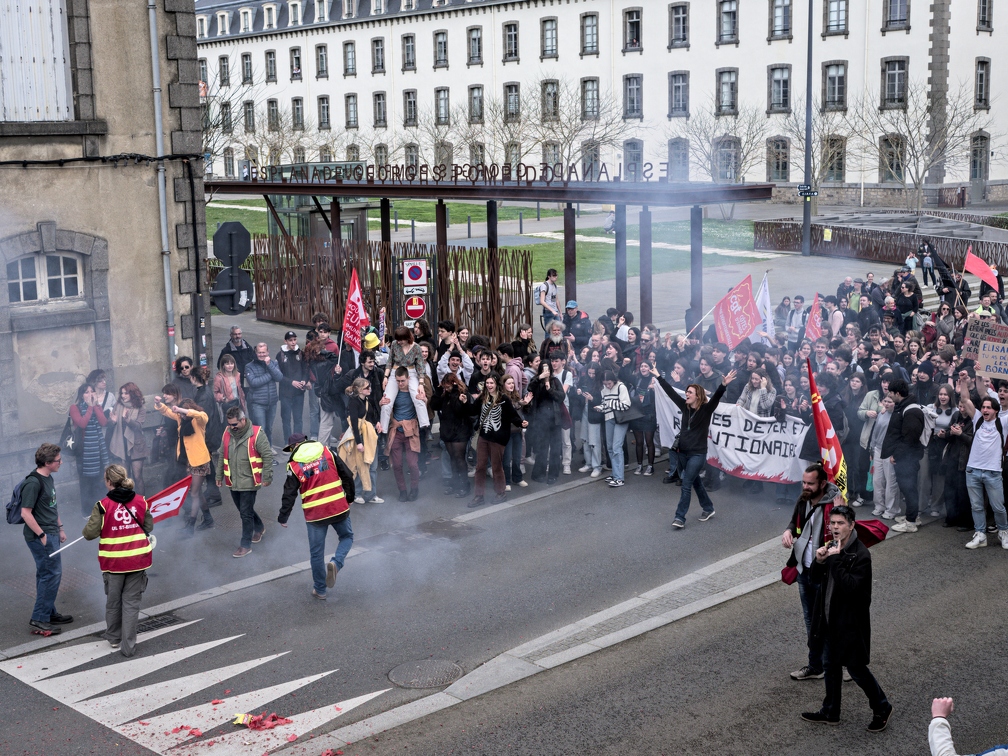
(985, 453)
(550, 290)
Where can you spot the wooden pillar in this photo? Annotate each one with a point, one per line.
(621, 274)
(696, 308)
(386, 220)
(441, 221)
(646, 313)
(492, 224)
(570, 255)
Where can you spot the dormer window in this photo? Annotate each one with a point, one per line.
(269, 17)
(222, 24)
(408, 5)
(321, 11)
(348, 8)
(377, 6)
(295, 14)
(201, 27)
(246, 20)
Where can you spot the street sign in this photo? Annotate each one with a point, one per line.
(232, 292)
(414, 272)
(804, 187)
(415, 307)
(412, 290)
(808, 194)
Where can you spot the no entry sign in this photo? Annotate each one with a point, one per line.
(415, 307)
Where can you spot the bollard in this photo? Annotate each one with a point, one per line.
(397, 221)
(447, 215)
(521, 223)
(579, 210)
(538, 218)
(469, 226)
(412, 225)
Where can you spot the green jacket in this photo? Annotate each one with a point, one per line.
(238, 460)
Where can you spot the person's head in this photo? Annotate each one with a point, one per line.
(813, 481)
(98, 379)
(789, 387)
(719, 351)
(787, 359)
(318, 319)
(756, 379)
(189, 404)
(170, 393)
(425, 350)
(228, 364)
(445, 329)
(555, 331)
(609, 379)
(864, 302)
(421, 329)
(361, 387)
(524, 331)
(826, 384)
(613, 352)
(785, 303)
(236, 420)
(262, 351)
(695, 395)
(323, 330)
(403, 336)
(842, 303)
(705, 367)
(572, 308)
(131, 395)
(290, 339)
(633, 336)
(841, 522)
(47, 457)
(960, 312)
(799, 302)
(402, 378)
(856, 383)
(905, 289)
(183, 367)
(454, 361)
(833, 369)
(869, 278)
(848, 282)
(463, 336)
(888, 403)
(551, 275)
(944, 397)
(236, 335)
(532, 361)
(85, 394)
(367, 360)
(452, 382)
(594, 370)
(821, 347)
(842, 357)
(200, 376)
(805, 349)
(491, 388)
(830, 302)
(985, 300)
(558, 362)
(116, 477)
(508, 385)
(899, 390)
(988, 408)
(645, 368)
(944, 310)
(485, 361)
(506, 350)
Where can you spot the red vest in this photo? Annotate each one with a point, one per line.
(321, 487)
(123, 545)
(255, 461)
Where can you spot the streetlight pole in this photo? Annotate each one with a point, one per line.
(806, 234)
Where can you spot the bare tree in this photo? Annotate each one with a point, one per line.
(435, 138)
(834, 143)
(273, 136)
(508, 125)
(917, 133)
(222, 109)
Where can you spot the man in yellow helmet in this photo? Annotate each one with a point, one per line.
(327, 488)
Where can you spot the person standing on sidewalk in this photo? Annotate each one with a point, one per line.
(43, 532)
(807, 531)
(326, 486)
(843, 620)
(122, 522)
(291, 362)
(399, 420)
(262, 375)
(245, 464)
(902, 445)
(691, 445)
(984, 469)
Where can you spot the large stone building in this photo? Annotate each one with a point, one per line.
(701, 90)
(84, 234)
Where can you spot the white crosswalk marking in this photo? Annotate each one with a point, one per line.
(82, 692)
(130, 704)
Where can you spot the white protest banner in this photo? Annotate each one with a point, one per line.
(743, 444)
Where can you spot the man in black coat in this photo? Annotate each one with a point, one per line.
(842, 620)
(903, 446)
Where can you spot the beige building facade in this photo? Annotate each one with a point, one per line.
(82, 239)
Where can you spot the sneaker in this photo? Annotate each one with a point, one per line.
(472, 473)
(318, 596)
(507, 489)
(888, 515)
(979, 541)
(992, 529)
(846, 675)
(858, 502)
(376, 500)
(414, 494)
(649, 470)
(566, 470)
(242, 551)
(384, 464)
(500, 498)
(615, 483)
(609, 479)
(359, 500)
(330, 574)
(807, 673)
(523, 483)
(704, 516)
(256, 537)
(677, 523)
(584, 468)
(877, 512)
(60, 619)
(935, 513)
(880, 721)
(43, 628)
(115, 644)
(905, 527)
(638, 470)
(596, 473)
(900, 518)
(404, 495)
(819, 717)
(478, 501)
(1002, 535)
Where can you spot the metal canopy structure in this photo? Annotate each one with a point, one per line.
(644, 194)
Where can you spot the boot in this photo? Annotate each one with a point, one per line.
(208, 521)
(188, 527)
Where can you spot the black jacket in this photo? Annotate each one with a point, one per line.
(345, 380)
(293, 367)
(547, 398)
(456, 425)
(494, 424)
(842, 611)
(695, 424)
(902, 438)
(580, 326)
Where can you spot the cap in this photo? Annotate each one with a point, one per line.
(290, 335)
(925, 367)
(293, 440)
(572, 305)
(371, 341)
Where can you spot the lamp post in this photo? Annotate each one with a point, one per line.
(806, 234)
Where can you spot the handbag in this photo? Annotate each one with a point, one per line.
(789, 575)
(566, 422)
(72, 438)
(633, 412)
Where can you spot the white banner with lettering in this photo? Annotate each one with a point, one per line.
(743, 444)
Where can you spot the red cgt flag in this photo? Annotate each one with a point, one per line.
(829, 445)
(169, 502)
(980, 269)
(355, 319)
(813, 328)
(736, 316)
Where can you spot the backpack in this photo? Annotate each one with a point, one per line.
(14, 505)
(929, 424)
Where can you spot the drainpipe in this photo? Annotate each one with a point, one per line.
(162, 186)
(864, 90)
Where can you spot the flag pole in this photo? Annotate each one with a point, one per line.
(66, 547)
(701, 320)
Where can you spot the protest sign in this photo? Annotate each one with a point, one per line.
(992, 359)
(982, 330)
(742, 443)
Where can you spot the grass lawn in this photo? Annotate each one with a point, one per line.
(733, 234)
(253, 220)
(597, 262)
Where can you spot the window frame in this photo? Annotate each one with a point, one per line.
(442, 117)
(229, 162)
(825, 104)
(410, 119)
(294, 9)
(246, 68)
(544, 54)
(889, 26)
(224, 71)
(585, 114)
(248, 116)
(674, 176)
(349, 58)
(269, 58)
(719, 38)
(379, 109)
(826, 30)
(773, 152)
(297, 113)
(351, 111)
(886, 102)
(772, 35)
(475, 117)
(716, 152)
(511, 56)
(974, 137)
(982, 102)
(377, 51)
(672, 112)
(270, 16)
(272, 115)
(985, 24)
(627, 46)
(638, 173)
(296, 67)
(324, 106)
(322, 61)
(771, 107)
(829, 174)
(582, 38)
(42, 278)
(683, 44)
(591, 160)
(629, 115)
(550, 115)
(409, 59)
(886, 175)
(512, 115)
(720, 110)
(470, 59)
(438, 36)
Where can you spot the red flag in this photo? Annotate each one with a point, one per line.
(355, 319)
(980, 269)
(813, 327)
(736, 316)
(169, 502)
(829, 445)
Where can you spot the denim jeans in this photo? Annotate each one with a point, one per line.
(314, 414)
(548, 449)
(48, 573)
(690, 467)
(808, 591)
(251, 523)
(615, 433)
(292, 414)
(592, 434)
(316, 547)
(359, 484)
(976, 482)
(512, 459)
(263, 415)
(860, 674)
(907, 471)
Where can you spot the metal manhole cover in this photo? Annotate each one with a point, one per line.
(156, 623)
(426, 673)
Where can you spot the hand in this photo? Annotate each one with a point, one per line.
(544, 374)
(586, 395)
(942, 707)
(378, 428)
(179, 410)
(62, 536)
(787, 540)
(763, 383)
(821, 553)
(622, 320)
(463, 397)
(157, 401)
(337, 371)
(42, 539)
(266, 359)
(728, 378)
(893, 460)
(804, 405)
(420, 395)
(266, 483)
(872, 414)
(955, 430)
(384, 400)
(360, 448)
(626, 360)
(524, 423)
(667, 340)
(528, 397)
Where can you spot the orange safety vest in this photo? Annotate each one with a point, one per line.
(255, 461)
(123, 546)
(322, 494)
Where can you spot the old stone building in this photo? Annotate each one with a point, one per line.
(85, 228)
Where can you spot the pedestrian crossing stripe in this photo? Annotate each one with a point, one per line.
(122, 711)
